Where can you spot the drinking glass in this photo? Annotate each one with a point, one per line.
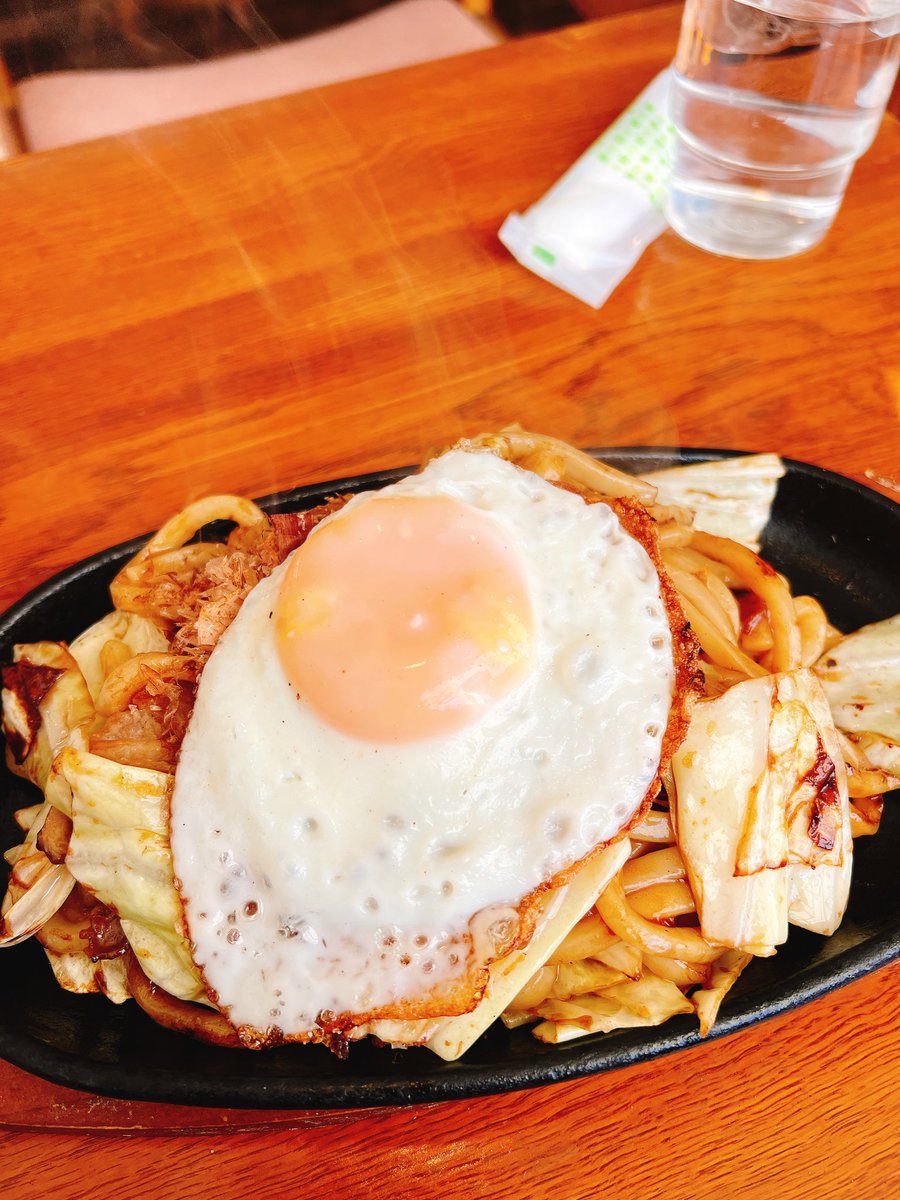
(773, 102)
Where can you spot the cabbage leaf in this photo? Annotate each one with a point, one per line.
(730, 497)
(119, 851)
(762, 813)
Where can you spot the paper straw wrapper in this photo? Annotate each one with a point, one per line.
(592, 226)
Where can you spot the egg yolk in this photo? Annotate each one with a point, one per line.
(405, 618)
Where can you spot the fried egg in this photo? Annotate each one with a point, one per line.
(454, 691)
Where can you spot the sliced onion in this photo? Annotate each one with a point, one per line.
(37, 905)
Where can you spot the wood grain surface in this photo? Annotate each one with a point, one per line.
(313, 287)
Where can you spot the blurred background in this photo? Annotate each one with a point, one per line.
(72, 70)
(66, 65)
(53, 35)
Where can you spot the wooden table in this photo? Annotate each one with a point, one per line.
(313, 287)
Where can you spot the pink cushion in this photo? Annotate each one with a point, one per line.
(63, 107)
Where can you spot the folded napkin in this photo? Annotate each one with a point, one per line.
(590, 229)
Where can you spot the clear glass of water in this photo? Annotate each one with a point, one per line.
(773, 102)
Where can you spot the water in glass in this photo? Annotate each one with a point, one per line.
(773, 102)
